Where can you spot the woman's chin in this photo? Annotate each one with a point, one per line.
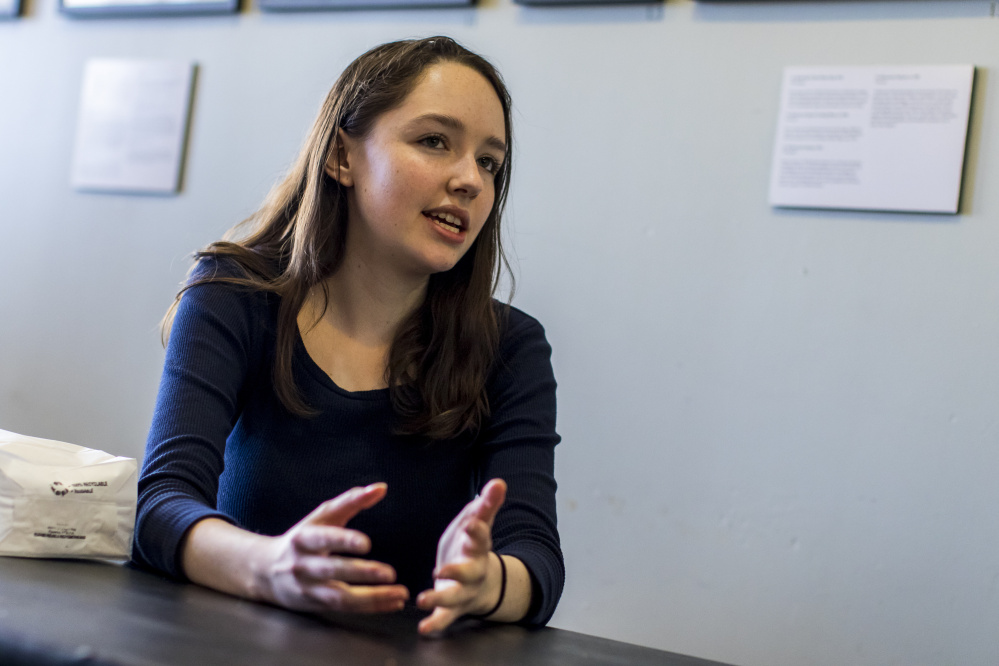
(441, 264)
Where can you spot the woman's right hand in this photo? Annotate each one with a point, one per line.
(311, 566)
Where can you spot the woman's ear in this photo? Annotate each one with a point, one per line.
(338, 165)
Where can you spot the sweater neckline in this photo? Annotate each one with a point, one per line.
(326, 381)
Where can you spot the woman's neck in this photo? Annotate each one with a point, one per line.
(369, 305)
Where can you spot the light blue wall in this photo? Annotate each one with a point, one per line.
(781, 428)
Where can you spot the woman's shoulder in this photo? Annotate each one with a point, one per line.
(515, 324)
(521, 337)
(216, 309)
(224, 284)
(523, 377)
(211, 267)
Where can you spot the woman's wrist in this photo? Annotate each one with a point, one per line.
(260, 562)
(494, 588)
(220, 555)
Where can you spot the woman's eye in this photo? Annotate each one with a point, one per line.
(433, 141)
(489, 164)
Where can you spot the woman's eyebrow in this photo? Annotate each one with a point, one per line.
(453, 123)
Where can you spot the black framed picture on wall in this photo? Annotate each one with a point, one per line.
(99, 8)
(583, 3)
(317, 5)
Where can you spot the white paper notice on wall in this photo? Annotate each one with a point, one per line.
(132, 124)
(872, 138)
(9, 8)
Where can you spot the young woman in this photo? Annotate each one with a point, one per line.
(348, 347)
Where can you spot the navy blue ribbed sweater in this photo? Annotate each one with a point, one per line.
(222, 445)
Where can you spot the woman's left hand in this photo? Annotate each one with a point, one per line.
(462, 583)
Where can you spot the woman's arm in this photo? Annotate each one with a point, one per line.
(518, 446)
(470, 579)
(308, 568)
(215, 349)
(516, 517)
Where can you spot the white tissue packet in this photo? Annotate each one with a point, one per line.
(64, 500)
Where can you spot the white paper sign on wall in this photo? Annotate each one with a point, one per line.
(9, 8)
(132, 125)
(872, 138)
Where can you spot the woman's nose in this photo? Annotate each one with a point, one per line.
(467, 177)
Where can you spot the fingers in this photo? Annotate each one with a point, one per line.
(439, 620)
(455, 584)
(481, 539)
(475, 540)
(322, 531)
(467, 572)
(464, 573)
(323, 539)
(490, 500)
(339, 510)
(348, 570)
(339, 596)
(463, 557)
(446, 594)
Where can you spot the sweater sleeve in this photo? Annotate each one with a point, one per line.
(519, 447)
(211, 352)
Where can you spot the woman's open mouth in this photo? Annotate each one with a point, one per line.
(446, 221)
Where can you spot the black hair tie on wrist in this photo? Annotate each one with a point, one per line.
(502, 591)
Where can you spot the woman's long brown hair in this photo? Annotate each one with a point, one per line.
(442, 354)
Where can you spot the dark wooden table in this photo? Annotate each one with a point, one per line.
(76, 612)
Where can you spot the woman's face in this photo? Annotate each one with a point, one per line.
(421, 183)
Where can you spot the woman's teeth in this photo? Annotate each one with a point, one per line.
(447, 220)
